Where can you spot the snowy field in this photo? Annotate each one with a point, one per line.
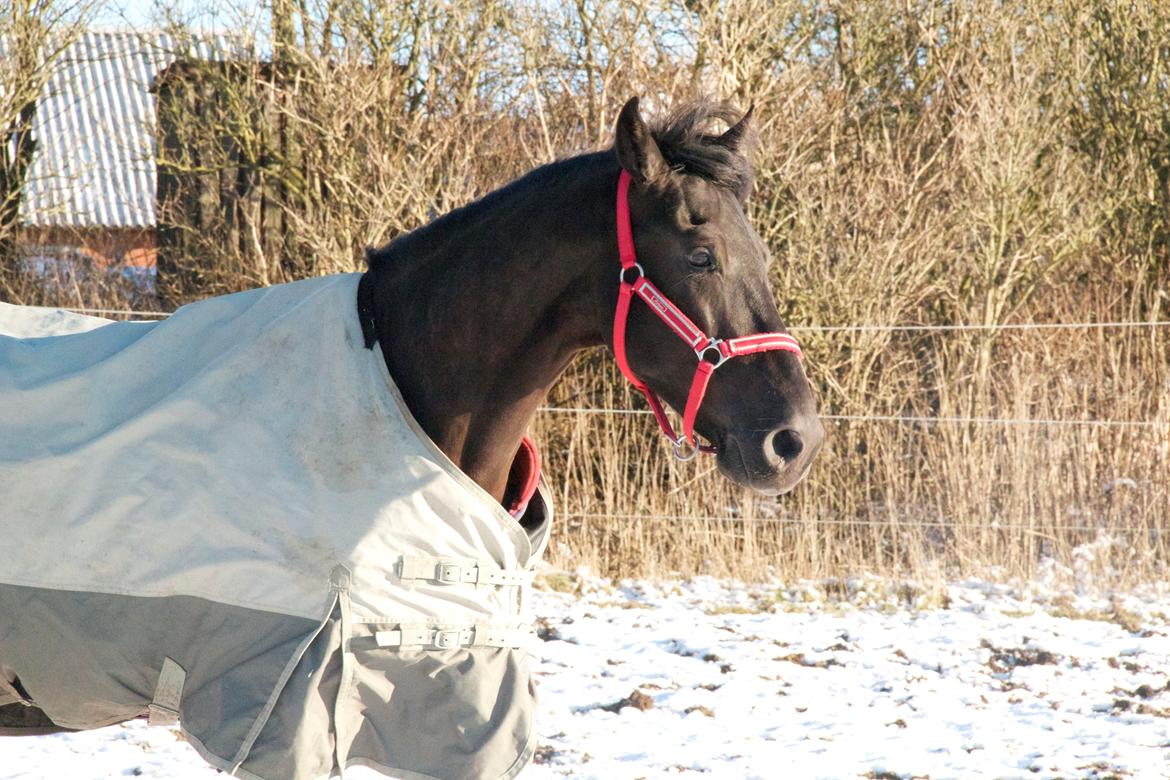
(722, 680)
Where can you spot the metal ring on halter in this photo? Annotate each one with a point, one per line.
(679, 453)
(713, 344)
(636, 266)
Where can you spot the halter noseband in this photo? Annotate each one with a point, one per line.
(711, 352)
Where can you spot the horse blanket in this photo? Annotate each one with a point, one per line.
(231, 517)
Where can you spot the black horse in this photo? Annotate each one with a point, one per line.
(479, 312)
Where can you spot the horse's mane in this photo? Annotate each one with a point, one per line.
(686, 141)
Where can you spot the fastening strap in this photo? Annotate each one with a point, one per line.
(168, 691)
(451, 571)
(446, 638)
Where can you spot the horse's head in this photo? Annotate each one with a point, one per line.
(693, 241)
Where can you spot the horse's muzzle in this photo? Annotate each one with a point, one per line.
(773, 460)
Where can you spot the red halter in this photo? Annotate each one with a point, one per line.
(711, 352)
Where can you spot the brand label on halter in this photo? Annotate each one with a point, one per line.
(673, 317)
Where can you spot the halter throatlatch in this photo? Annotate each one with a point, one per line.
(711, 352)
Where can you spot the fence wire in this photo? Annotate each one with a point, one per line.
(823, 328)
(103, 312)
(896, 418)
(887, 418)
(979, 326)
(794, 524)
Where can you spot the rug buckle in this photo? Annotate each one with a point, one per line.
(448, 639)
(449, 572)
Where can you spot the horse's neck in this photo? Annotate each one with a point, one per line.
(479, 316)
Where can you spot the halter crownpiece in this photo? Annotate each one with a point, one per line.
(711, 352)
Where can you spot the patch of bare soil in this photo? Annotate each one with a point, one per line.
(636, 699)
(1003, 660)
(799, 658)
(547, 632)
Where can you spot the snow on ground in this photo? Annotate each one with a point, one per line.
(722, 680)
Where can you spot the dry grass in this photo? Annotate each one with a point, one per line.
(921, 162)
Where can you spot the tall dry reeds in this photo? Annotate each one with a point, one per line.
(924, 162)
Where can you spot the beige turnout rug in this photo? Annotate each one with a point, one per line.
(231, 518)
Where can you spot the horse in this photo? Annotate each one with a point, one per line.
(644, 248)
(482, 310)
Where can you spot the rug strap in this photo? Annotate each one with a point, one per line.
(448, 638)
(164, 707)
(449, 571)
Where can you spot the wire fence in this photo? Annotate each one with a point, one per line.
(793, 525)
(798, 524)
(873, 418)
(1154, 424)
(117, 312)
(981, 326)
(818, 328)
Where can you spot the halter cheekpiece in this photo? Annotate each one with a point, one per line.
(711, 352)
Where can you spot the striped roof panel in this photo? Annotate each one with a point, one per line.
(95, 132)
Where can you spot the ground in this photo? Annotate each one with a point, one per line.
(836, 680)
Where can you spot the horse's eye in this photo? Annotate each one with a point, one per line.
(702, 258)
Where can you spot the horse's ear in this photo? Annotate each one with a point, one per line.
(637, 150)
(735, 136)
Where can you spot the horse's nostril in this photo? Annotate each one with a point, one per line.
(787, 443)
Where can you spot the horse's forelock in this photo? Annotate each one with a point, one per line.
(687, 141)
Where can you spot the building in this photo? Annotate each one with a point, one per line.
(90, 189)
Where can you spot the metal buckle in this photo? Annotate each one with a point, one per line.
(636, 266)
(445, 640)
(449, 572)
(713, 344)
(678, 445)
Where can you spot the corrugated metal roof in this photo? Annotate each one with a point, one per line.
(95, 131)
